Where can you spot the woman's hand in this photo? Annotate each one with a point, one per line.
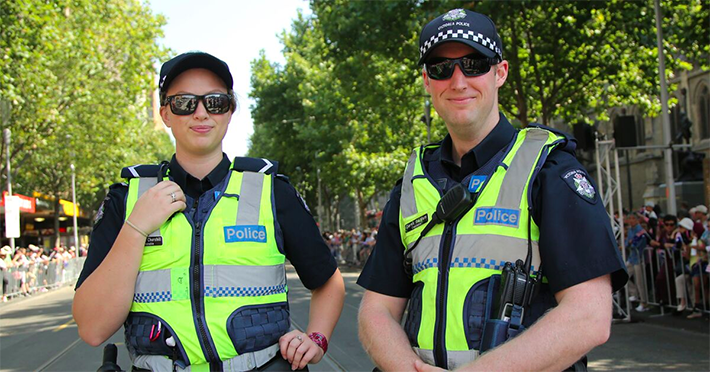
(298, 349)
(156, 205)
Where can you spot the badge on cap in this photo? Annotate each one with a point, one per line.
(577, 180)
(454, 15)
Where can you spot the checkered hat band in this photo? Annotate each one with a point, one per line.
(244, 291)
(148, 297)
(460, 34)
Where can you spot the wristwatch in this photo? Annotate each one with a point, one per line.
(320, 340)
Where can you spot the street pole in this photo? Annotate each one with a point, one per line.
(666, 120)
(427, 117)
(76, 209)
(6, 133)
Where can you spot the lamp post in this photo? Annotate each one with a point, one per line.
(6, 134)
(666, 120)
(76, 209)
(427, 118)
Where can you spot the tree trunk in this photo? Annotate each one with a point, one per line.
(56, 237)
(362, 207)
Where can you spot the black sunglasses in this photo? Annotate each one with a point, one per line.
(471, 65)
(186, 104)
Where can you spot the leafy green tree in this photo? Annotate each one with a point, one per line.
(76, 78)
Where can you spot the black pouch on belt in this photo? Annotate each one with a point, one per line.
(514, 292)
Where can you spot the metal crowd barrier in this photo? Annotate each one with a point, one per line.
(39, 277)
(661, 280)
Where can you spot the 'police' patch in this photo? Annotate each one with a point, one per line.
(416, 223)
(497, 216)
(245, 233)
(577, 180)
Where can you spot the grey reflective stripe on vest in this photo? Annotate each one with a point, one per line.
(243, 362)
(454, 358)
(516, 177)
(250, 198)
(153, 286)
(145, 183)
(475, 250)
(244, 281)
(408, 204)
(220, 281)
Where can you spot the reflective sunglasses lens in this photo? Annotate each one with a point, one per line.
(184, 104)
(440, 70)
(474, 66)
(217, 103)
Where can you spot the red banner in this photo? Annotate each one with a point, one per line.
(27, 204)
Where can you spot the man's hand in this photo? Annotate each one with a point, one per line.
(423, 367)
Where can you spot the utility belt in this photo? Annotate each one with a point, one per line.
(243, 362)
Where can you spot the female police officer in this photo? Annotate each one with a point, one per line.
(190, 254)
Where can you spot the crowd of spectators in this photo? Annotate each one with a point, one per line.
(351, 247)
(667, 259)
(27, 267)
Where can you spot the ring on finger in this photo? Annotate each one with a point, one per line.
(172, 195)
(300, 338)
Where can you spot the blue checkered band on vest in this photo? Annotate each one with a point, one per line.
(162, 296)
(429, 262)
(243, 291)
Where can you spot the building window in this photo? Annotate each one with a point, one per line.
(704, 109)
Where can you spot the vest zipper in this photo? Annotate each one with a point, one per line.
(441, 296)
(197, 292)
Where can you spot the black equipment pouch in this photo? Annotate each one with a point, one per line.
(515, 292)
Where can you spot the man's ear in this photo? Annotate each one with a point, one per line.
(425, 80)
(164, 115)
(501, 73)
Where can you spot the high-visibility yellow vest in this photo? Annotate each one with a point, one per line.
(217, 287)
(450, 302)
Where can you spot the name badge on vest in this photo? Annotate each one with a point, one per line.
(151, 241)
(245, 233)
(497, 216)
(416, 223)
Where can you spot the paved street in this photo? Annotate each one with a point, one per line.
(38, 333)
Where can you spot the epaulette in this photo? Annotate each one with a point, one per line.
(258, 165)
(283, 177)
(140, 170)
(570, 144)
(118, 185)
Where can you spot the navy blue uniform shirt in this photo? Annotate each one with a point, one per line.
(304, 247)
(576, 240)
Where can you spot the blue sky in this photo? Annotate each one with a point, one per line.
(234, 31)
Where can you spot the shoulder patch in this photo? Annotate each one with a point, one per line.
(303, 201)
(100, 212)
(579, 182)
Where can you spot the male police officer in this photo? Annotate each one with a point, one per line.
(190, 254)
(526, 198)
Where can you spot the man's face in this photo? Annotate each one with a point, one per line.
(632, 221)
(669, 225)
(462, 101)
(199, 133)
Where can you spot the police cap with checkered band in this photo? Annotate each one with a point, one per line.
(186, 61)
(464, 26)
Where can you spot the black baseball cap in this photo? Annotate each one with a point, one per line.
(464, 26)
(190, 60)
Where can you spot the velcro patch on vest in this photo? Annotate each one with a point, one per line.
(476, 182)
(497, 216)
(416, 223)
(153, 241)
(245, 233)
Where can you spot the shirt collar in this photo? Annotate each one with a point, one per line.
(495, 141)
(195, 187)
